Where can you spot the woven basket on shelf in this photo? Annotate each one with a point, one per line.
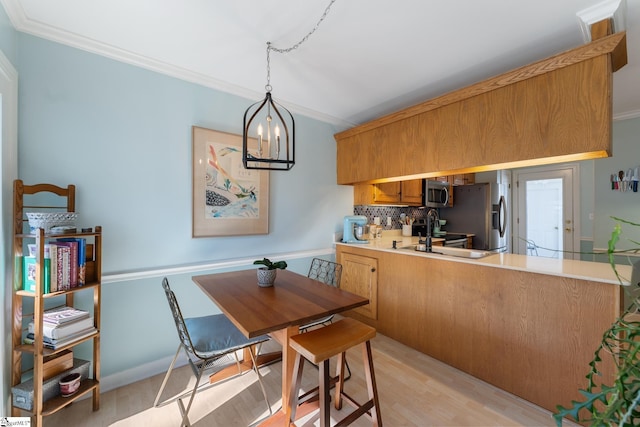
(46, 220)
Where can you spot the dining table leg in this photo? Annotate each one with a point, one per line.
(282, 336)
(282, 417)
(288, 360)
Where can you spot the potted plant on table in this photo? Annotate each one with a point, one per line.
(617, 404)
(267, 274)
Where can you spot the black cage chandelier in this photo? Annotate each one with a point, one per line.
(269, 134)
(273, 130)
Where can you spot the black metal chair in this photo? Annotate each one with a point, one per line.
(205, 340)
(327, 272)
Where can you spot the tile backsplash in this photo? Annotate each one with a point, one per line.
(384, 212)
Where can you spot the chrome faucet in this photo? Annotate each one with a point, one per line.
(432, 213)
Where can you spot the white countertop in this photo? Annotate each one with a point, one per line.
(583, 270)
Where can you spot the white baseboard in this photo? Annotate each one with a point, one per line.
(123, 378)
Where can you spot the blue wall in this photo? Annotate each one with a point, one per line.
(122, 135)
(626, 154)
(608, 203)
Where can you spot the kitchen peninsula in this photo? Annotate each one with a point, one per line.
(528, 325)
(525, 324)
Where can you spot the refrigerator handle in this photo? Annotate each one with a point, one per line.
(502, 216)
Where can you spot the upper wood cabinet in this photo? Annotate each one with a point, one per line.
(399, 192)
(387, 192)
(558, 109)
(464, 179)
(411, 192)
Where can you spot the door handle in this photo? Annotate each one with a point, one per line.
(373, 270)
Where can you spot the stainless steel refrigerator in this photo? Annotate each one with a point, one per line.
(480, 209)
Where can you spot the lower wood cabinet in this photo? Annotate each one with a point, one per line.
(497, 324)
(360, 276)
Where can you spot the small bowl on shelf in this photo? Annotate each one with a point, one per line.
(47, 220)
(69, 384)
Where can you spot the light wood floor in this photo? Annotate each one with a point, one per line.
(415, 390)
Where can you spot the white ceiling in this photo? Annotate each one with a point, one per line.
(368, 58)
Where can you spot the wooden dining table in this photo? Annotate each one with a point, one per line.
(279, 310)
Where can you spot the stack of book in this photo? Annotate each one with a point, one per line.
(62, 326)
(64, 263)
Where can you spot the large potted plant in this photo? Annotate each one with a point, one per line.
(267, 274)
(617, 404)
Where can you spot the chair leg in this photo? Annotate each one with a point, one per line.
(346, 364)
(325, 410)
(166, 377)
(185, 411)
(371, 383)
(255, 368)
(341, 379)
(295, 386)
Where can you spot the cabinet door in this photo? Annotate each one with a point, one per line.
(464, 179)
(411, 192)
(387, 192)
(360, 277)
(363, 194)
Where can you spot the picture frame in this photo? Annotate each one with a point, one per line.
(227, 199)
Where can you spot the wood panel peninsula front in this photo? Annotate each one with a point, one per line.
(527, 325)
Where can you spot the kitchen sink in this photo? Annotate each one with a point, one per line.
(457, 252)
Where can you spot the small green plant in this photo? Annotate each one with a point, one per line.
(617, 404)
(271, 265)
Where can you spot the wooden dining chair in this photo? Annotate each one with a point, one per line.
(205, 340)
(318, 346)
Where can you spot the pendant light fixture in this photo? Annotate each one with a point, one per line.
(268, 136)
(274, 131)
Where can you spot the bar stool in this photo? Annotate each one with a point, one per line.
(318, 346)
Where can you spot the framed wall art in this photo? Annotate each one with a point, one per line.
(228, 200)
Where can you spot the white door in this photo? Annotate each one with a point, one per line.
(546, 211)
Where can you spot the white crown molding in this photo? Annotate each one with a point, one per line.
(22, 23)
(15, 12)
(615, 9)
(19, 20)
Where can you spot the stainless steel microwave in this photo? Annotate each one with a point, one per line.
(436, 194)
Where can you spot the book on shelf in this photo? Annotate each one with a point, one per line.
(53, 271)
(33, 250)
(80, 246)
(29, 274)
(72, 264)
(63, 314)
(60, 267)
(55, 344)
(57, 331)
(65, 264)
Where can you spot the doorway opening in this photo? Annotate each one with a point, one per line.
(546, 211)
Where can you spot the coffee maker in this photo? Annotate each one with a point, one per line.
(355, 229)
